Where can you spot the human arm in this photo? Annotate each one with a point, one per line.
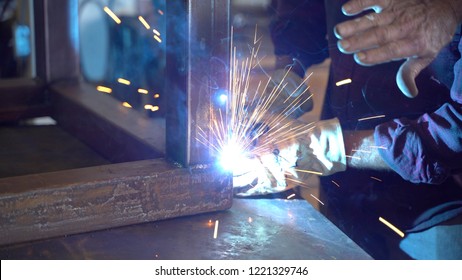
(414, 30)
(425, 150)
(318, 149)
(362, 151)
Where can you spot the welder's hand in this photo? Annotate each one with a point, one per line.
(292, 95)
(414, 30)
(282, 163)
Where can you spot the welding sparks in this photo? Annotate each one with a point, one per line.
(378, 147)
(155, 108)
(160, 12)
(301, 183)
(375, 178)
(392, 227)
(104, 89)
(126, 104)
(317, 199)
(123, 81)
(250, 220)
(158, 39)
(361, 151)
(291, 196)
(309, 171)
(235, 133)
(112, 15)
(343, 82)
(156, 32)
(144, 22)
(143, 91)
(370, 118)
(156, 95)
(353, 157)
(335, 183)
(215, 231)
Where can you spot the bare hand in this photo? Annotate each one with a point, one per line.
(414, 30)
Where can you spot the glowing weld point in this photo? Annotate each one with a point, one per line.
(156, 95)
(291, 196)
(126, 104)
(112, 15)
(157, 38)
(143, 91)
(392, 227)
(317, 199)
(123, 81)
(223, 98)
(144, 22)
(104, 89)
(232, 157)
(215, 231)
(156, 32)
(343, 82)
(250, 220)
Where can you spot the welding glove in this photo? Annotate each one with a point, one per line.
(284, 163)
(290, 90)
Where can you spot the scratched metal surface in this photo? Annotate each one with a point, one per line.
(251, 229)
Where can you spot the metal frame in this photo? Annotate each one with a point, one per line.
(198, 40)
(81, 200)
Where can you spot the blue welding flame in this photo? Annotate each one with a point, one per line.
(221, 97)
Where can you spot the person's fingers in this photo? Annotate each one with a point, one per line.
(405, 77)
(371, 38)
(389, 52)
(359, 25)
(355, 7)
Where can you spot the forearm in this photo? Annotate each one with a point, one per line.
(361, 151)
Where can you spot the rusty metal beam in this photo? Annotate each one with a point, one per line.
(80, 200)
(197, 69)
(53, 204)
(58, 39)
(100, 121)
(22, 98)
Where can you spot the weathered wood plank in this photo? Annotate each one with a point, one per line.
(60, 203)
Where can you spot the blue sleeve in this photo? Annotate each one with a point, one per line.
(424, 150)
(428, 149)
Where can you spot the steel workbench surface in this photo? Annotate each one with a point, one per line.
(251, 229)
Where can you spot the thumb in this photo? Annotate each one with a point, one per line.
(405, 78)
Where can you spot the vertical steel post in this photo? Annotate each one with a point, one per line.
(197, 65)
